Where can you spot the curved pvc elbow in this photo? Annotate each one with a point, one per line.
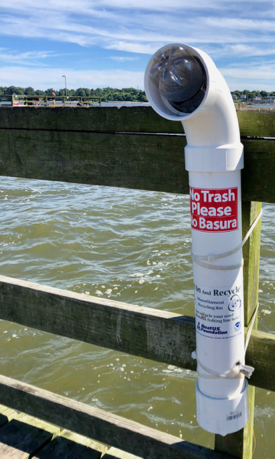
(210, 122)
(183, 84)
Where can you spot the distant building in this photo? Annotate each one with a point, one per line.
(258, 99)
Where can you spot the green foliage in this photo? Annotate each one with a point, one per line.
(114, 94)
(29, 91)
(250, 95)
(11, 90)
(107, 94)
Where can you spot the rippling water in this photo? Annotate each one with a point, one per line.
(130, 246)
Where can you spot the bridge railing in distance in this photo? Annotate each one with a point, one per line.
(50, 101)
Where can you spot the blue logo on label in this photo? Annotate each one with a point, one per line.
(234, 303)
(237, 326)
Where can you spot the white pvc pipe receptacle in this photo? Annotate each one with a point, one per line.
(214, 159)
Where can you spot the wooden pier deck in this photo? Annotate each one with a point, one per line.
(23, 437)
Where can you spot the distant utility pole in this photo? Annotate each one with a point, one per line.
(64, 76)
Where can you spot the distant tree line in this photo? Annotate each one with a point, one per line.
(107, 94)
(110, 94)
(250, 95)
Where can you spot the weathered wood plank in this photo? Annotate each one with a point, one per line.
(251, 253)
(256, 122)
(102, 448)
(259, 170)
(115, 453)
(19, 440)
(3, 419)
(32, 421)
(65, 448)
(97, 447)
(153, 163)
(94, 119)
(163, 336)
(149, 162)
(63, 444)
(260, 354)
(99, 425)
(253, 122)
(6, 414)
(251, 256)
(240, 444)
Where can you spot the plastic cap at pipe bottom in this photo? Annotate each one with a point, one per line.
(221, 415)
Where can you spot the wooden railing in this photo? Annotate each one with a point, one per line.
(132, 148)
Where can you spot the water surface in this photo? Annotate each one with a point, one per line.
(130, 246)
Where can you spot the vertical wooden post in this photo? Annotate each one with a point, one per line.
(240, 444)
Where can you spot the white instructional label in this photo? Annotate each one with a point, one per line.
(219, 311)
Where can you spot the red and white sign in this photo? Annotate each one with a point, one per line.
(214, 210)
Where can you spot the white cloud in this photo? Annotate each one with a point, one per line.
(127, 25)
(238, 24)
(130, 47)
(29, 57)
(138, 26)
(262, 74)
(253, 76)
(124, 58)
(104, 6)
(239, 51)
(126, 30)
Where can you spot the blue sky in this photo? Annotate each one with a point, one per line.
(100, 43)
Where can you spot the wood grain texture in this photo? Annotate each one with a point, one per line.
(19, 440)
(99, 425)
(154, 163)
(62, 447)
(259, 170)
(121, 147)
(94, 119)
(162, 336)
(148, 162)
(256, 122)
(115, 453)
(253, 122)
(63, 444)
(240, 443)
(251, 257)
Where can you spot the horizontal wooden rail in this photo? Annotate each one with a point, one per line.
(98, 424)
(128, 161)
(162, 336)
(128, 147)
(256, 123)
(97, 119)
